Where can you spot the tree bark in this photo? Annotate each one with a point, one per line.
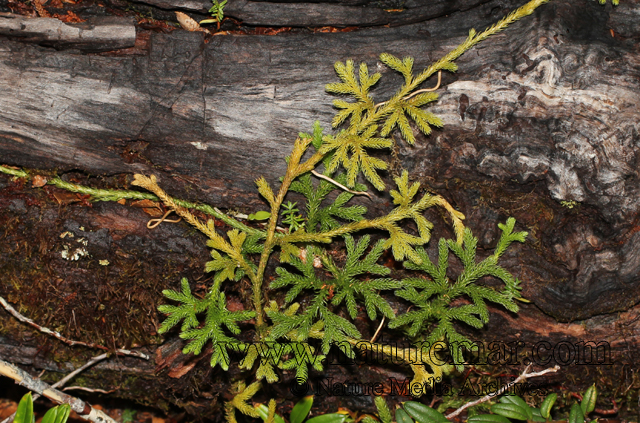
(541, 123)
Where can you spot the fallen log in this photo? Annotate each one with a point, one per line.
(540, 124)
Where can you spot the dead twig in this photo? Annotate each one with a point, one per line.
(375, 335)
(500, 391)
(14, 313)
(65, 379)
(83, 409)
(326, 178)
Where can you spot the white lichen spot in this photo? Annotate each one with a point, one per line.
(66, 234)
(74, 255)
(103, 262)
(199, 145)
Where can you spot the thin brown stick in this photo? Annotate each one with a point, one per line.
(83, 388)
(67, 341)
(500, 391)
(80, 369)
(83, 409)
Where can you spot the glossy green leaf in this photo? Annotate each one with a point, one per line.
(63, 413)
(328, 418)
(301, 409)
(516, 400)
(261, 215)
(511, 411)
(547, 404)
(488, 418)
(588, 403)
(423, 413)
(58, 414)
(263, 412)
(537, 416)
(24, 413)
(402, 416)
(575, 415)
(50, 416)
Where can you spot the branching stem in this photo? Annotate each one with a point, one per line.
(294, 169)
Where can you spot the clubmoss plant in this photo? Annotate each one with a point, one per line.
(284, 332)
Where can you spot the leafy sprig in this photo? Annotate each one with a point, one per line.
(433, 298)
(217, 315)
(317, 315)
(291, 217)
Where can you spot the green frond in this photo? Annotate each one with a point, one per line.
(383, 409)
(401, 243)
(339, 88)
(405, 129)
(369, 166)
(404, 66)
(404, 195)
(433, 298)
(317, 135)
(349, 285)
(266, 371)
(216, 315)
(508, 236)
(186, 313)
(359, 160)
(326, 216)
(422, 119)
(288, 251)
(265, 190)
(349, 84)
(391, 122)
(225, 265)
(422, 99)
(355, 110)
(240, 401)
(367, 81)
(252, 244)
(450, 66)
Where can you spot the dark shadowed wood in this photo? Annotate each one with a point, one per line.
(326, 13)
(541, 123)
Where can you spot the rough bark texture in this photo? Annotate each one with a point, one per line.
(103, 34)
(541, 114)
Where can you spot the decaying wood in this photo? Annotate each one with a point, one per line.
(539, 119)
(326, 13)
(102, 34)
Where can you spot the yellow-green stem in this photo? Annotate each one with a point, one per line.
(294, 169)
(387, 107)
